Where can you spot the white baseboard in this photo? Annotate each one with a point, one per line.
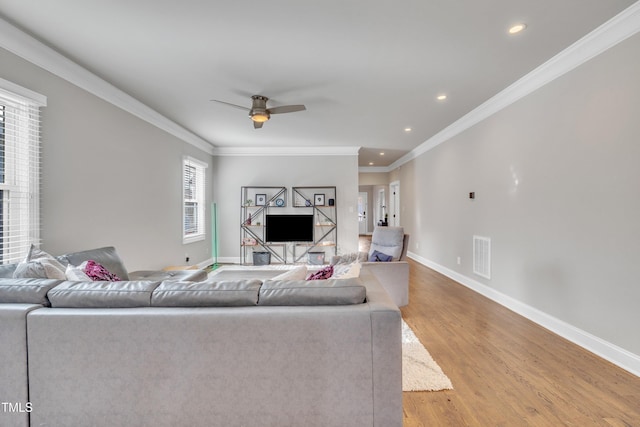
(221, 260)
(229, 260)
(611, 352)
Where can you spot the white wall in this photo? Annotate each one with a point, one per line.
(556, 180)
(233, 172)
(109, 178)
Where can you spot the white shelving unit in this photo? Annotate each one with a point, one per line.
(258, 202)
(321, 201)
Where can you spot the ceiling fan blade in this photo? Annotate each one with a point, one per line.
(287, 109)
(232, 105)
(257, 125)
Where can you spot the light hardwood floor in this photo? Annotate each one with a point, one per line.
(505, 369)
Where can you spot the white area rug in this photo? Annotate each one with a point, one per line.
(419, 371)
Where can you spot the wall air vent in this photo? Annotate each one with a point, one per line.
(482, 256)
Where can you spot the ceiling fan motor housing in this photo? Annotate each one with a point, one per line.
(259, 112)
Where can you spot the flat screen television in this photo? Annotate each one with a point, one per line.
(289, 228)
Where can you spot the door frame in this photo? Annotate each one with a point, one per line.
(394, 203)
(365, 198)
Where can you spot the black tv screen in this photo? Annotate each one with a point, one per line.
(289, 228)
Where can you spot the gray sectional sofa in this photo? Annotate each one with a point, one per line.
(170, 352)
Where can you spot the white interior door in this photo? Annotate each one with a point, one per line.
(362, 213)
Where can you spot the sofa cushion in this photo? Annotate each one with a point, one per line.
(226, 293)
(174, 275)
(6, 270)
(350, 258)
(26, 291)
(315, 292)
(106, 256)
(388, 240)
(102, 294)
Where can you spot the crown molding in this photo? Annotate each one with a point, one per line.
(34, 51)
(8, 89)
(286, 151)
(609, 34)
(374, 169)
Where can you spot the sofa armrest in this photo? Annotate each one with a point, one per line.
(386, 344)
(394, 278)
(14, 383)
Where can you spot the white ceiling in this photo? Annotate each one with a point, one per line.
(365, 69)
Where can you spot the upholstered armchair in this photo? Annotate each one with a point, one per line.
(393, 275)
(390, 241)
(386, 261)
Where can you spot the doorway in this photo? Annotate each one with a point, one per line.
(381, 212)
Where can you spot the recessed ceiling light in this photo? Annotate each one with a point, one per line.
(441, 97)
(517, 28)
(370, 163)
(382, 153)
(407, 129)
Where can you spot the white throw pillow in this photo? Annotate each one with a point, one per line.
(297, 273)
(347, 271)
(40, 265)
(77, 273)
(53, 269)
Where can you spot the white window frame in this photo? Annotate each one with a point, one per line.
(22, 172)
(197, 198)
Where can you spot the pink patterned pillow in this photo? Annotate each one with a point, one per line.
(97, 272)
(323, 274)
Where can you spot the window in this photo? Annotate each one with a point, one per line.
(19, 170)
(193, 192)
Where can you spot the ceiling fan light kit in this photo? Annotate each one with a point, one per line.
(259, 113)
(259, 116)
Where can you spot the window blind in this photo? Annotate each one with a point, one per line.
(19, 171)
(194, 175)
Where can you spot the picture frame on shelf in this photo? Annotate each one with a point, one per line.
(261, 199)
(318, 199)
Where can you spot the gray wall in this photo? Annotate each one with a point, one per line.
(556, 178)
(233, 172)
(109, 178)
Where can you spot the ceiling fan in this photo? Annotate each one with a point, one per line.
(259, 112)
